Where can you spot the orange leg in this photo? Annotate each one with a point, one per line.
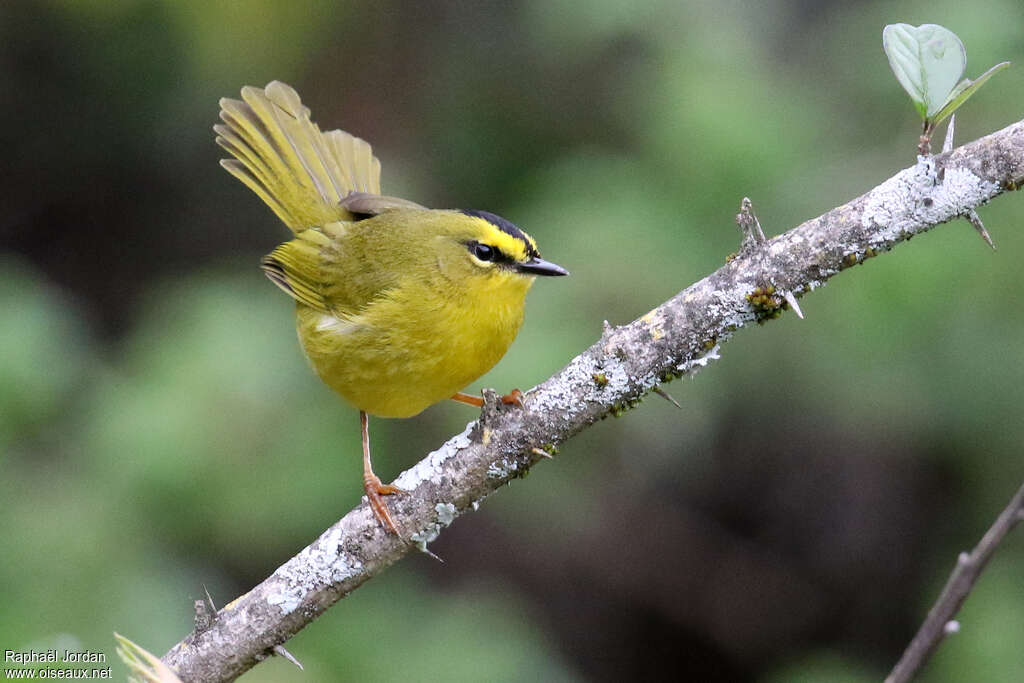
(514, 397)
(375, 490)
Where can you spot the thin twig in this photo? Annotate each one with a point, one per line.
(969, 566)
(679, 337)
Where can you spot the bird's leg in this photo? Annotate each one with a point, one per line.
(375, 490)
(514, 397)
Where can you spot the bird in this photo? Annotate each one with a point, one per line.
(397, 306)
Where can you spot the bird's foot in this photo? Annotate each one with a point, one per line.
(514, 397)
(375, 492)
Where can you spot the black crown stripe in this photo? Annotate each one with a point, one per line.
(506, 226)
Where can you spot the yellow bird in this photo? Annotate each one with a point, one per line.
(397, 306)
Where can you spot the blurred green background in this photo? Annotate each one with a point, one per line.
(160, 431)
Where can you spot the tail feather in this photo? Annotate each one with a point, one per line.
(295, 136)
(316, 147)
(345, 146)
(282, 156)
(248, 168)
(240, 171)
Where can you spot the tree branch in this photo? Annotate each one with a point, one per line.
(968, 568)
(678, 337)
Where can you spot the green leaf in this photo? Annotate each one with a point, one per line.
(143, 666)
(965, 89)
(928, 61)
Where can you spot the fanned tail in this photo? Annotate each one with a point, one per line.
(303, 174)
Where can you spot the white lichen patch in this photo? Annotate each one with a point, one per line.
(431, 468)
(426, 535)
(730, 307)
(647, 382)
(319, 564)
(502, 469)
(785, 244)
(446, 514)
(915, 198)
(692, 367)
(576, 385)
(287, 600)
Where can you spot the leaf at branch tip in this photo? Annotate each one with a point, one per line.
(143, 666)
(928, 60)
(965, 89)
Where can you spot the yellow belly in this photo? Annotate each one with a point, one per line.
(391, 364)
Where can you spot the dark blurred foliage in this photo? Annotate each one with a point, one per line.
(159, 430)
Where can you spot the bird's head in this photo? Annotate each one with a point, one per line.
(493, 253)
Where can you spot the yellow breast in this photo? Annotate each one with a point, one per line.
(415, 346)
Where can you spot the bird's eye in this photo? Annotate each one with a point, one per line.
(484, 252)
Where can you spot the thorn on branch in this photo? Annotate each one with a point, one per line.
(279, 650)
(763, 298)
(668, 397)
(426, 551)
(974, 219)
(753, 235)
(206, 613)
(209, 599)
(947, 145)
(791, 300)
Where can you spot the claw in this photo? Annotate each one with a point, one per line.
(390, 490)
(514, 397)
(375, 491)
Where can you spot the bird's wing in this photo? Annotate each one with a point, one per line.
(326, 269)
(295, 268)
(303, 174)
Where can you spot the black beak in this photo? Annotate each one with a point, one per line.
(538, 266)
